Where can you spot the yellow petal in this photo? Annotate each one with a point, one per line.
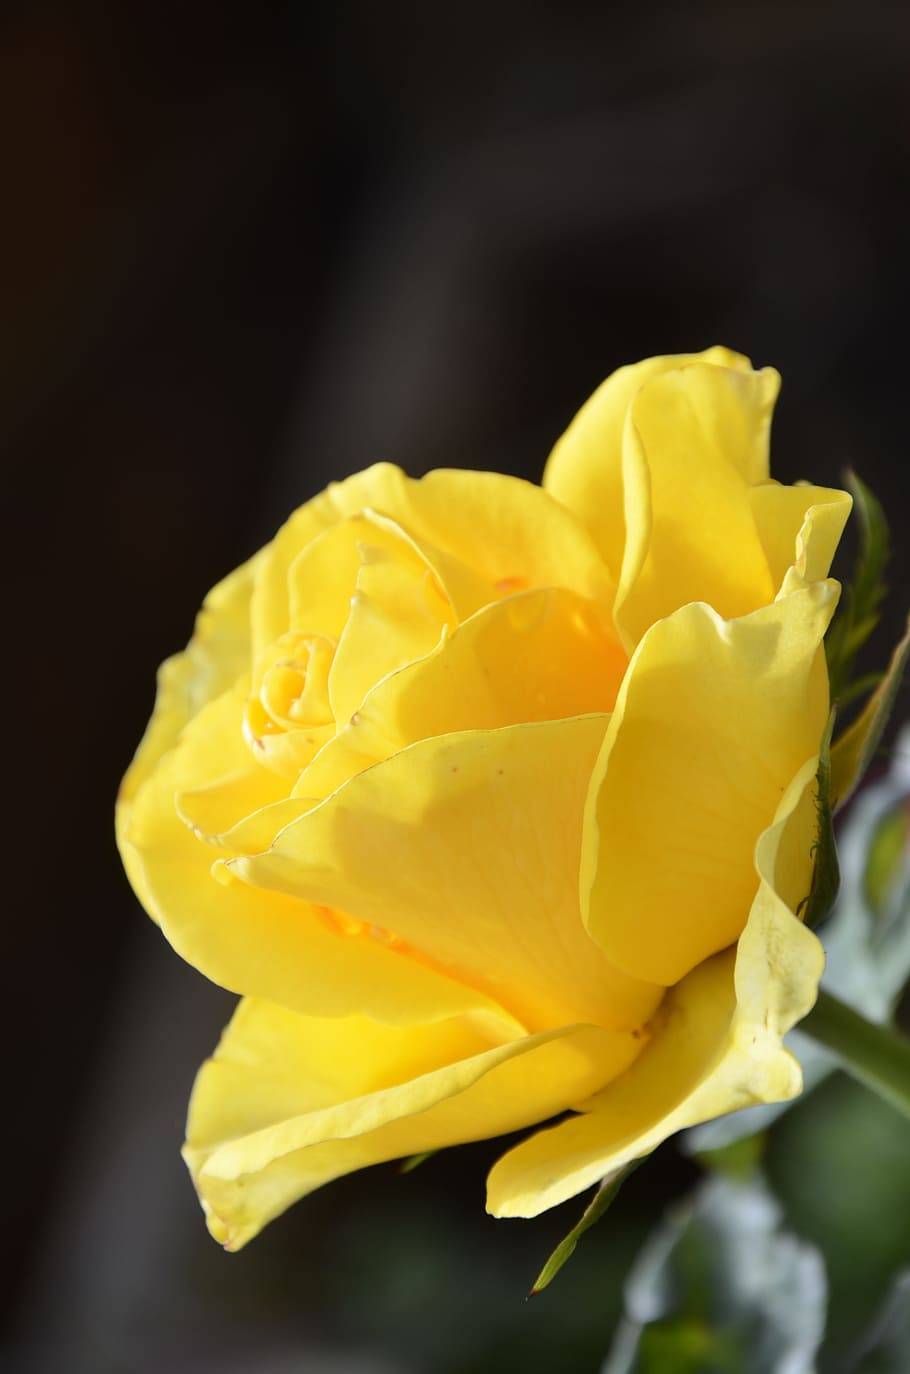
(398, 613)
(216, 808)
(799, 527)
(584, 470)
(215, 657)
(263, 943)
(257, 830)
(716, 1042)
(324, 576)
(540, 655)
(290, 1102)
(713, 719)
(695, 439)
(467, 848)
(224, 783)
(507, 532)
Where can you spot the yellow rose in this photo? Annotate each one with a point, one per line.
(496, 801)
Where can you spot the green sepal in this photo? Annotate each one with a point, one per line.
(825, 868)
(859, 612)
(595, 1209)
(413, 1162)
(722, 1287)
(854, 749)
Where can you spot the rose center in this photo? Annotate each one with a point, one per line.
(294, 685)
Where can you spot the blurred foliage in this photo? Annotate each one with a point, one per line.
(722, 1287)
(840, 1164)
(887, 854)
(784, 1275)
(885, 1349)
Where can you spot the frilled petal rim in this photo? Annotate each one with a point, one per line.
(716, 1043)
(289, 1103)
(711, 721)
(216, 656)
(584, 470)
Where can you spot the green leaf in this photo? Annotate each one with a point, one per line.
(853, 751)
(596, 1208)
(825, 871)
(860, 607)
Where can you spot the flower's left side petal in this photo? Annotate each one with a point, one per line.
(253, 942)
(713, 718)
(216, 656)
(716, 1044)
(216, 782)
(290, 1102)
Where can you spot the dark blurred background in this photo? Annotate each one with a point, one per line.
(245, 250)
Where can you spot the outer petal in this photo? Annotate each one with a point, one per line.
(467, 848)
(695, 440)
(717, 1042)
(509, 533)
(712, 721)
(290, 1102)
(584, 470)
(539, 655)
(222, 782)
(215, 657)
(255, 942)
(799, 526)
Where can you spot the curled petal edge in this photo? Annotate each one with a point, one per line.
(717, 1046)
(244, 1179)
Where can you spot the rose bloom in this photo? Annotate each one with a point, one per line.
(497, 802)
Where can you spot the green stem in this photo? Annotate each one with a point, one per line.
(875, 1055)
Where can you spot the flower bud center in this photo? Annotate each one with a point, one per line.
(294, 685)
